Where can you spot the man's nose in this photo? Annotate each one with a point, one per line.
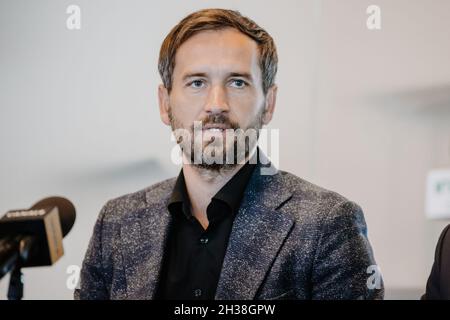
(217, 101)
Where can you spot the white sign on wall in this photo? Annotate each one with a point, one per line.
(438, 194)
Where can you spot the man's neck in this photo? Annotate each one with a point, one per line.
(202, 184)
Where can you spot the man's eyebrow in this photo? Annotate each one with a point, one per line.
(194, 74)
(245, 75)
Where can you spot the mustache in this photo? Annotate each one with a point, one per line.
(218, 119)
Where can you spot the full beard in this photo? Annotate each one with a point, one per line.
(220, 152)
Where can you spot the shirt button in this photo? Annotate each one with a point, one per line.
(197, 293)
(204, 240)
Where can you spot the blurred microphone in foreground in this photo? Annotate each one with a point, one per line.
(33, 238)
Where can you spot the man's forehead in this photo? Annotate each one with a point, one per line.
(226, 50)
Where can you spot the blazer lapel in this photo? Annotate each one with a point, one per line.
(144, 234)
(257, 235)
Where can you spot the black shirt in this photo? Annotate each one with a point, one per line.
(194, 256)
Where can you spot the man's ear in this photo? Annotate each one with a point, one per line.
(271, 99)
(164, 106)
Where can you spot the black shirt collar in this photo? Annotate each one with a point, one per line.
(231, 193)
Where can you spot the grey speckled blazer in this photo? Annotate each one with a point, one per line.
(290, 240)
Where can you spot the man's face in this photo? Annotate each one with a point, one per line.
(217, 81)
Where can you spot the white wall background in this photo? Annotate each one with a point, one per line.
(365, 113)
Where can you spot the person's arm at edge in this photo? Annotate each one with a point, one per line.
(92, 282)
(433, 284)
(343, 257)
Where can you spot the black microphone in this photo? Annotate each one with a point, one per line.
(33, 237)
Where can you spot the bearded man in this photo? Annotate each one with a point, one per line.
(226, 228)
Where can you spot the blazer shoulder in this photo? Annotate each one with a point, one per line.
(443, 246)
(317, 204)
(116, 208)
(306, 191)
(445, 236)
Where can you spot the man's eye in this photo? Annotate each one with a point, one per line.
(196, 84)
(238, 83)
